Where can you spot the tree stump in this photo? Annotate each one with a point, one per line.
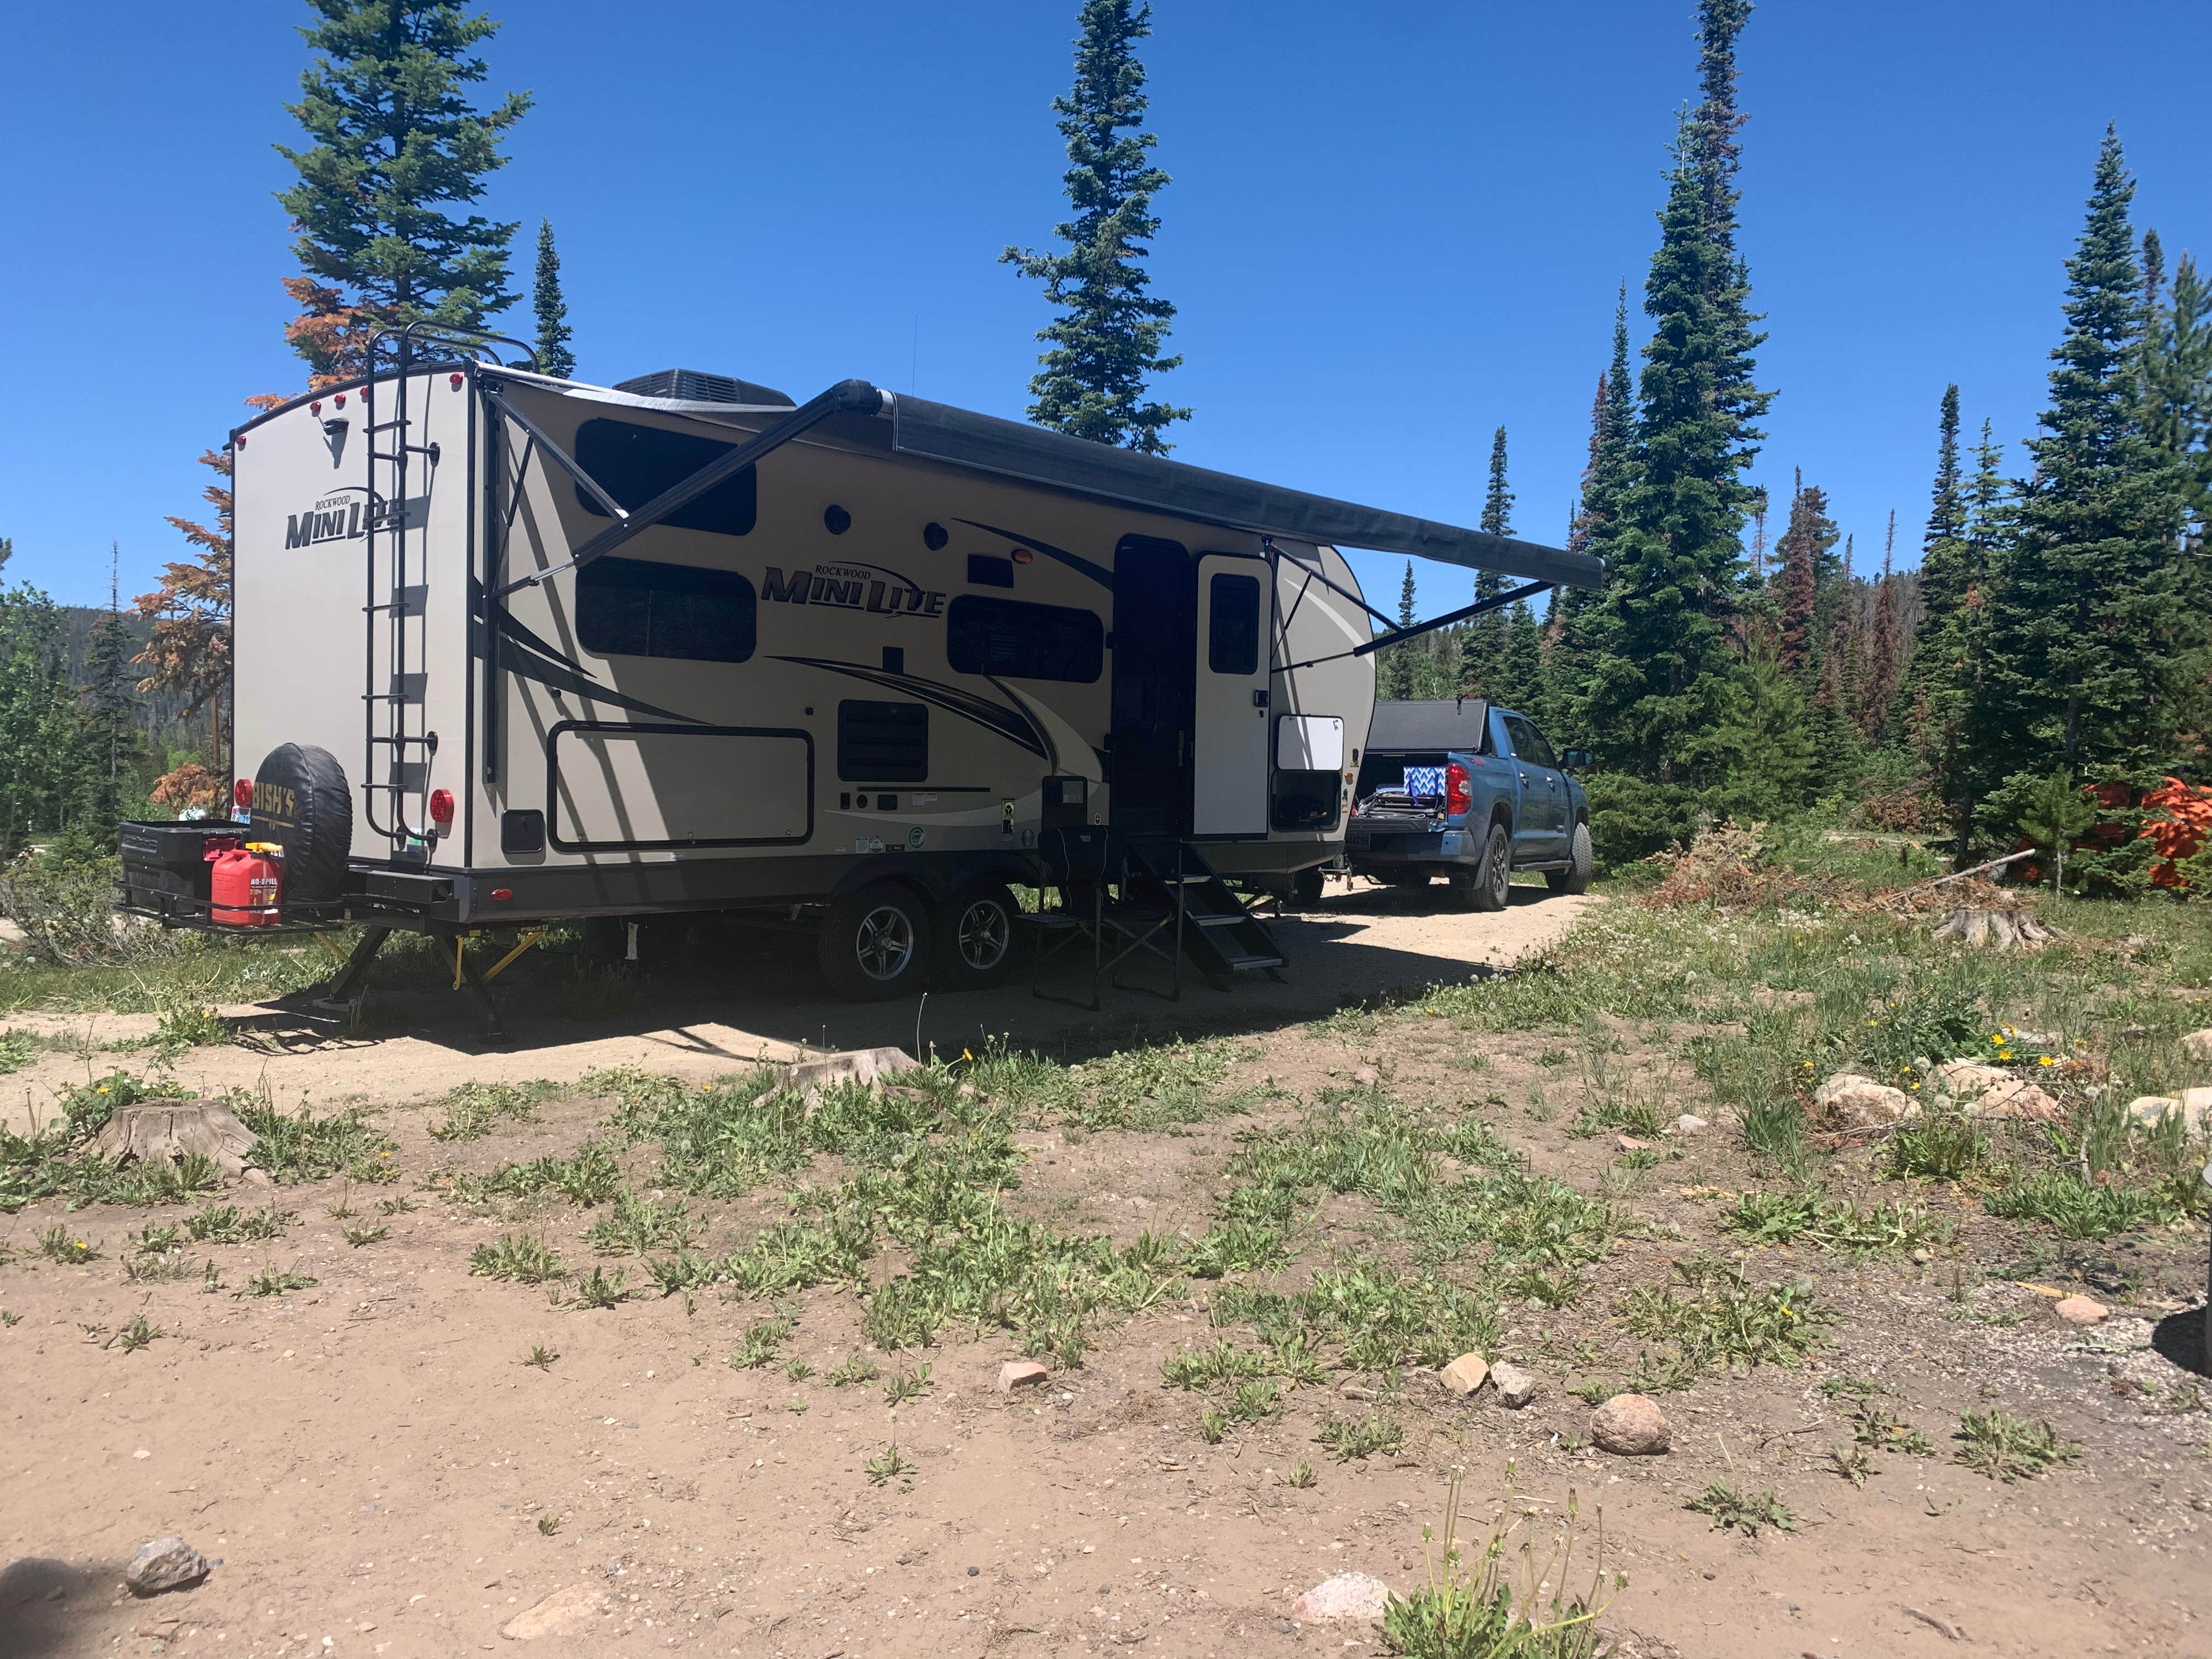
(1999, 930)
(167, 1131)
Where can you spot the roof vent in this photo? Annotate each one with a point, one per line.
(693, 385)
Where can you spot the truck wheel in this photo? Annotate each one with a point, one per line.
(1493, 882)
(980, 936)
(1576, 877)
(875, 943)
(1307, 886)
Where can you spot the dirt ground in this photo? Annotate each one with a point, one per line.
(377, 1473)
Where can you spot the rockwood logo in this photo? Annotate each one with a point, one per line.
(853, 587)
(342, 516)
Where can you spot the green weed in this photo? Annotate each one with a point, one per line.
(1378, 1432)
(276, 1281)
(57, 1243)
(226, 1224)
(521, 1259)
(597, 1289)
(140, 1333)
(473, 1110)
(1717, 1317)
(1742, 1511)
(1832, 1225)
(903, 1386)
(764, 1341)
(855, 1368)
(632, 1226)
(892, 1464)
(1996, 1443)
(541, 1357)
(358, 1236)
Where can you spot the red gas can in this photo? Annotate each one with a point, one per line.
(247, 885)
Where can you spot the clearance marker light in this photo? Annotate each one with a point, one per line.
(441, 807)
(241, 792)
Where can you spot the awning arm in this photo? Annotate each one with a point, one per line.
(1400, 635)
(1322, 576)
(846, 397)
(562, 459)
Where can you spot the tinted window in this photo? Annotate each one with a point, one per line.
(882, 742)
(634, 464)
(638, 608)
(1232, 643)
(1528, 741)
(1019, 641)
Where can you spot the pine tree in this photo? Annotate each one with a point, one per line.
(1107, 341)
(2180, 417)
(41, 748)
(551, 311)
(1934, 690)
(1886, 646)
(1394, 667)
(112, 711)
(1766, 736)
(1595, 523)
(1661, 658)
(1805, 553)
(2089, 632)
(188, 654)
(1521, 662)
(396, 146)
(1483, 658)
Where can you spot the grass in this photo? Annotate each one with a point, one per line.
(1941, 1144)
(903, 1386)
(473, 1110)
(17, 1050)
(277, 1281)
(855, 1369)
(1204, 1368)
(547, 1525)
(541, 1357)
(597, 1290)
(632, 1226)
(762, 1341)
(1716, 1315)
(892, 1464)
(589, 1176)
(1740, 1511)
(519, 1258)
(1506, 1597)
(1301, 1477)
(2062, 1200)
(226, 1224)
(139, 1333)
(2005, 1448)
(358, 1236)
(1832, 1225)
(1361, 1438)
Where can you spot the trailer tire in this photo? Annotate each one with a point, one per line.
(874, 944)
(301, 803)
(1576, 877)
(982, 936)
(1493, 882)
(1307, 886)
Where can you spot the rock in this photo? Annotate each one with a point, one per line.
(1367, 1076)
(1020, 1374)
(2081, 1311)
(1347, 1595)
(166, 1564)
(1861, 1100)
(1967, 1078)
(1688, 1124)
(1630, 1426)
(1465, 1374)
(2013, 1098)
(2198, 1045)
(1516, 1388)
(2148, 1111)
(1630, 1144)
(812, 1077)
(564, 1612)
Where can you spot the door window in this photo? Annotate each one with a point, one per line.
(1233, 643)
(1528, 743)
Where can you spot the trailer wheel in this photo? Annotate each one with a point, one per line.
(875, 943)
(301, 801)
(1307, 886)
(1576, 877)
(1493, 882)
(980, 935)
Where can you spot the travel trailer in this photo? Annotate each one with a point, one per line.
(511, 649)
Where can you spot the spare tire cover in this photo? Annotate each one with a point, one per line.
(300, 802)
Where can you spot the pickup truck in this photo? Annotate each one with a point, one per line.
(1470, 792)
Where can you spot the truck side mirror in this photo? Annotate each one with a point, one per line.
(1576, 760)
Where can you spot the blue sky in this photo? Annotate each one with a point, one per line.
(1391, 228)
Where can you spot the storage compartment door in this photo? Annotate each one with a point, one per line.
(1236, 623)
(613, 787)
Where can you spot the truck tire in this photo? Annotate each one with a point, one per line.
(1576, 877)
(1307, 886)
(983, 933)
(875, 943)
(1493, 881)
(302, 804)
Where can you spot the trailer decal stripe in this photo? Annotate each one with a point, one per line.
(1098, 573)
(522, 652)
(1012, 724)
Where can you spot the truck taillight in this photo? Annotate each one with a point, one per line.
(1459, 793)
(441, 807)
(241, 793)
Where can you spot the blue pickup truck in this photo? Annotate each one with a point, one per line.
(1470, 792)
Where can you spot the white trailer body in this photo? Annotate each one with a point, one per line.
(904, 642)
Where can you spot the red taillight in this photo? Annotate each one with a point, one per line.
(456, 380)
(441, 807)
(502, 894)
(1459, 793)
(316, 407)
(241, 792)
(340, 400)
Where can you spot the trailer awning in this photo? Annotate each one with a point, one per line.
(984, 443)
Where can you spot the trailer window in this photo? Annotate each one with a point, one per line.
(639, 608)
(882, 742)
(1022, 641)
(1232, 644)
(634, 464)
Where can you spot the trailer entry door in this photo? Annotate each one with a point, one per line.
(1154, 622)
(1236, 623)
